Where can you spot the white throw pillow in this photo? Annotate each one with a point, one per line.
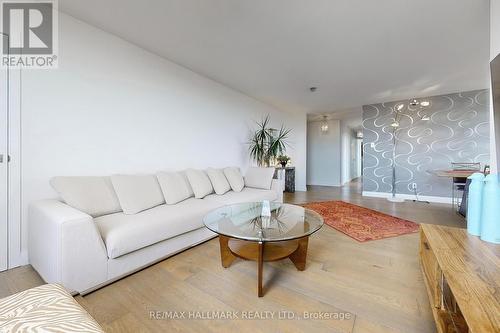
(200, 183)
(137, 192)
(219, 181)
(175, 186)
(259, 177)
(234, 178)
(92, 195)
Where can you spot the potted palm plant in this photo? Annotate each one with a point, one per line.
(268, 143)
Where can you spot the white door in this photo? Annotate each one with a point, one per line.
(3, 168)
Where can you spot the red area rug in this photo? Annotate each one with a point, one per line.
(361, 223)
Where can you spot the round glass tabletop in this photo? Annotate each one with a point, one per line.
(246, 221)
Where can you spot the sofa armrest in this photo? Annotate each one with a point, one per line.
(65, 246)
(278, 186)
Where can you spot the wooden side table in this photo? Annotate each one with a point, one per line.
(462, 276)
(245, 233)
(232, 248)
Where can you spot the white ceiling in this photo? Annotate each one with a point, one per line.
(356, 51)
(342, 114)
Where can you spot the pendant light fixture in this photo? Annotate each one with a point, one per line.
(324, 124)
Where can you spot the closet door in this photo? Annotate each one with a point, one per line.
(4, 168)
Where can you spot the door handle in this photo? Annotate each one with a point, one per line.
(1, 158)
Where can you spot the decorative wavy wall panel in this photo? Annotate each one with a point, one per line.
(458, 131)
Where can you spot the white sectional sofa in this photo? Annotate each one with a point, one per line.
(104, 228)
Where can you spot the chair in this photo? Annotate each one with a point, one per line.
(463, 204)
(458, 184)
(46, 308)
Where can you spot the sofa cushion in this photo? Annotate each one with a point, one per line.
(259, 177)
(200, 183)
(218, 180)
(123, 233)
(245, 195)
(137, 192)
(92, 195)
(175, 186)
(234, 178)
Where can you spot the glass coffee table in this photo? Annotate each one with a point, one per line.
(245, 233)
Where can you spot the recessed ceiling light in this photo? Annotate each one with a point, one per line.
(400, 107)
(413, 102)
(425, 103)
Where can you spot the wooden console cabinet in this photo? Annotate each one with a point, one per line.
(462, 276)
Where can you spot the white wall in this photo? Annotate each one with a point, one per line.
(112, 107)
(323, 154)
(357, 167)
(350, 154)
(355, 158)
(494, 28)
(494, 51)
(345, 160)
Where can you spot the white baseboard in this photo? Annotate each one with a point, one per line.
(323, 184)
(430, 198)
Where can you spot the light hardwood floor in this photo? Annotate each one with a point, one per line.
(377, 284)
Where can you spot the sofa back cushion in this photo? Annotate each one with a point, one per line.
(137, 192)
(175, 186)
(259, 177)
(92, 195)
(218, 180)
(200, 183)
(235, 179)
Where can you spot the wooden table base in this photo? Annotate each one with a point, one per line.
(231, 249)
